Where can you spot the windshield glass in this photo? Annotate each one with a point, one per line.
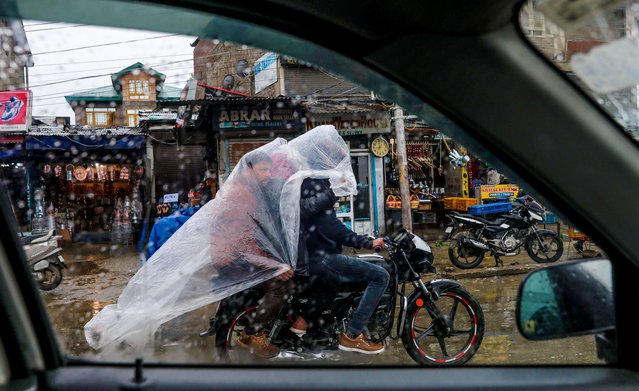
(596, 47)
(188, 199)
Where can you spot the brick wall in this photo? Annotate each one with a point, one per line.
(214, 61)
(11, 69)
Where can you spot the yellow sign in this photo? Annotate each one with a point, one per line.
(464, 173)
(498, 191)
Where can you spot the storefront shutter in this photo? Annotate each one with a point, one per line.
(178, 171)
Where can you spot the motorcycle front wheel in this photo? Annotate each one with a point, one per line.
(462, 255)
(548, 248)
(48, 278)
(449, 341)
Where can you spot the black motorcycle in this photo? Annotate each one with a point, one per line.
(502, 234)
(439, 322)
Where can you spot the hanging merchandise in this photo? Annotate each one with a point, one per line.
(126, 210)
(136, 205)
(47, 169)
(69, 169)
(50, 217)
(90, 173)
(69, 216)
(124, 174)
(58, 171)
(102, 173)
(38, 224)
(80, 173)
(111, 170)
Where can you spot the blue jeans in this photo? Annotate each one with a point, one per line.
(345, 270)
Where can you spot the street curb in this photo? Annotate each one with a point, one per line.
(492, 271)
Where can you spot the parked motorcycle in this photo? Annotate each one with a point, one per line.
(45, 261)
(439, 322)
(502, 235)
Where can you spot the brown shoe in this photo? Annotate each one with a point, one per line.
(359, 344)
(258, 344)
(299, 327)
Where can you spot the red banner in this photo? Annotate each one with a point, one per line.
(15, 110)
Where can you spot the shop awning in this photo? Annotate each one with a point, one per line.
(84, 142)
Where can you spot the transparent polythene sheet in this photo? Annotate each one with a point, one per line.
(246, 235)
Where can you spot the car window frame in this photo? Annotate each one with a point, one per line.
(411, 99)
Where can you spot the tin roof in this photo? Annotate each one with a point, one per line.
(108, 93)
(84, 131)
(320, 107)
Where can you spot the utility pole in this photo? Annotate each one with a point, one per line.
(402, 159)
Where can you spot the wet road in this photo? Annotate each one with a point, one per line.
(97, 274)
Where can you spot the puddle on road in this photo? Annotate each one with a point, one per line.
(86, 267)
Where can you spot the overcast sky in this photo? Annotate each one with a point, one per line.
(161, 54)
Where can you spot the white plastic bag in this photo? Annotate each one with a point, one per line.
(247, 235)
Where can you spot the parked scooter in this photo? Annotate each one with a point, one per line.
(43, 255)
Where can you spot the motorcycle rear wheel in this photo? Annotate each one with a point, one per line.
(51, 276)
(461, 255)
(549, 250)
(432, 343)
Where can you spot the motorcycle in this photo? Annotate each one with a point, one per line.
(45, 261)
(503, 234)
(439, 322)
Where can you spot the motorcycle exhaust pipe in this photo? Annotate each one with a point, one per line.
(476, 244)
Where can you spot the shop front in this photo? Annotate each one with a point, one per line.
(244, 124)
(12, 171)
(88, 186)
(433, 176)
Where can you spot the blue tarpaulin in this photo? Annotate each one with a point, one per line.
(165, 227)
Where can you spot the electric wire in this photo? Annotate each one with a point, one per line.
(105, 44)
(55, 28)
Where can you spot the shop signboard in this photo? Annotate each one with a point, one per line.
(265, 71)
(258, 115)
(352, 124)
(15, 110)
(157, 115)
(169, 204)
(498, 191)
(171, 197)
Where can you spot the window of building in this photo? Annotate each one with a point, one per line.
(100, 116)
(132, 118)
(139, 89)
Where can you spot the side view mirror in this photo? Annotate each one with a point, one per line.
(568, 299)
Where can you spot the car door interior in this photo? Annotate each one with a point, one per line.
(467, 60)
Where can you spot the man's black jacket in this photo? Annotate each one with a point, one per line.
(324, 232)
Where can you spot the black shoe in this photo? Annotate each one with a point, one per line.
(210, 331)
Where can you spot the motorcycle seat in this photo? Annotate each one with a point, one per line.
(24, 240)
(497, 221)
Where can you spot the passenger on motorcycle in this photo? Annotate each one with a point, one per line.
(277, 289)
